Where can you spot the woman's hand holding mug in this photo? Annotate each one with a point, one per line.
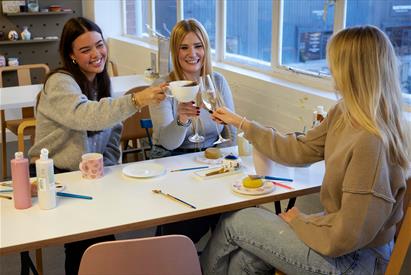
(150, 95)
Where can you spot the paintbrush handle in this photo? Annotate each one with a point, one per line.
(69, 195)
(180, 200)
(277, 178)
(5, 197)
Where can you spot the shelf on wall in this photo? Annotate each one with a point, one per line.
(37, 13)
(14, 42)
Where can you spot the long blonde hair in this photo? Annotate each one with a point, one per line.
(365, 71)
(180, 30)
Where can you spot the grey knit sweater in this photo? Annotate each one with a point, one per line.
(65, 115)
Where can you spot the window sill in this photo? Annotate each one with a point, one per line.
(276, 81)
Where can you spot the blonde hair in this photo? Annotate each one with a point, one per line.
(365, 71)
(180, 30)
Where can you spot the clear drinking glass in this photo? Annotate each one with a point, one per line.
(197, 138)
(210, 100)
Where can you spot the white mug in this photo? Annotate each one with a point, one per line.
(262, 164)
(244, 146)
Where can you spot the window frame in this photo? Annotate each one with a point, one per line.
(274, 68)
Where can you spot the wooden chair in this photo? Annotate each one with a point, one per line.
(112, 68)
(401, 247)
(25, 125)
(172, 254)
(402, 237)
(135, 129)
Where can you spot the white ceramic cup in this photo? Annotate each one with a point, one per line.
(262, 164)
(92, 166)
(244, 146)
(183, 93)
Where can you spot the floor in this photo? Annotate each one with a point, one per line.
(53, 257)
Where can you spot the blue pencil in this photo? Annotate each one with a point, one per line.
(190, 168)
(69, 195)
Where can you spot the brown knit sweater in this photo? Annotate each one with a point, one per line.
(361, 192)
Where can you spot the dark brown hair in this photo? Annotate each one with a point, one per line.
(72, 29)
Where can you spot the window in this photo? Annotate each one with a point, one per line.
(307, 25)
(252, 35)
(203, 11)
(249, 28)
(166, 16)
(394, 18)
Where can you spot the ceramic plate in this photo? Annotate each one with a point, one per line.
(203, 159)
(265, 189)
(144, 170)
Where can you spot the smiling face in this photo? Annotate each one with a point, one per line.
(191, 56)
(90, 53)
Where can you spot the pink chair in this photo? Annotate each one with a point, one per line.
(172, 254)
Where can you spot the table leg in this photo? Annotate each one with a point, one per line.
(27, 264)
(291, 203)
(277, 205)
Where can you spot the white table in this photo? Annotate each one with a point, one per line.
(25, 96)
(122, 204)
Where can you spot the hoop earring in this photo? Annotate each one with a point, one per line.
(74, 61)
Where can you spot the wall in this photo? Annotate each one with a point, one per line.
(40, 26)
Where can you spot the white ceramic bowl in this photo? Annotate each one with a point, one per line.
(183, 94)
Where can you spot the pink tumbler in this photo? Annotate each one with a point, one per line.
(21, 182)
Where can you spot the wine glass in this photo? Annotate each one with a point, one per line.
(210, 100)
(197, 138)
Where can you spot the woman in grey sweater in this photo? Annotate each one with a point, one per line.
(75, 114)
(366, 146)
(190, 50)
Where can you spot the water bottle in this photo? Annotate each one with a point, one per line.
(21, 181)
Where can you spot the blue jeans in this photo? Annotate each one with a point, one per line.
(255, 241)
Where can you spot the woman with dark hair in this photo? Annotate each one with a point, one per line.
(76, 115)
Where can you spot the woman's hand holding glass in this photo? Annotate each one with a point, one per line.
(211, 102)
(224, 115)
(186, 111)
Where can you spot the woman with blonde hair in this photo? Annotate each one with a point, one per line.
(366, 147)
(191, 56)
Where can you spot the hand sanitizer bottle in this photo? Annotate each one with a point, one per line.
(46, 194)
(45, 167)
(21, 182)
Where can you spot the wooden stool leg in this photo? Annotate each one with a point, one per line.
(39, 261)
(4, 158)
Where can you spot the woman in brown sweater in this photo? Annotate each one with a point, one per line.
(365, 144)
